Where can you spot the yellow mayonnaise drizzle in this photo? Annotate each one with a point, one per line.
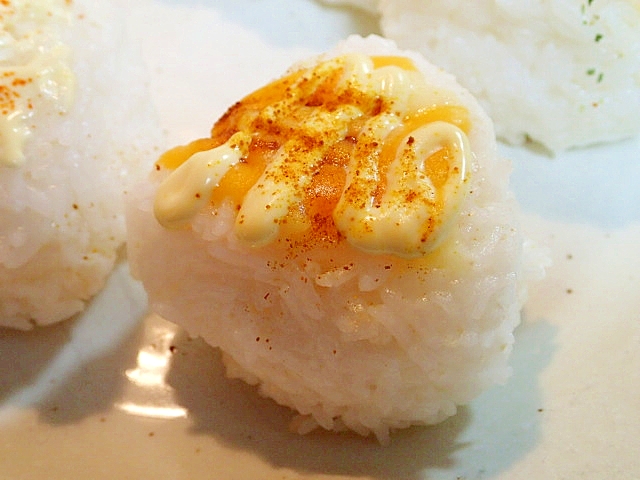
(355, 147)
(35, 71)
(183, 194)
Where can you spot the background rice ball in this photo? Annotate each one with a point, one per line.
(563, 73)
(62, 208)
(346, 338)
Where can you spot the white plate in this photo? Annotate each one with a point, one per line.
(118, 393)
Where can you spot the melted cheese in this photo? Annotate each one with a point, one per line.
(183, 194)
(352, 148)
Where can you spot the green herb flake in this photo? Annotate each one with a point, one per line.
(591, 71)
(600, 77)
(598, 37)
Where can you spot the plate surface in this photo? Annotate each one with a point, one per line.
(119, 393)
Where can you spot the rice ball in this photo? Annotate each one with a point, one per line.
(346, 237)
(77, 128)
(561, 73)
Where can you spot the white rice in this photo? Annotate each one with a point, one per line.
(62, 209)
(564, 73)
(347, 339)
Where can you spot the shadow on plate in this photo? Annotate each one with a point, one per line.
(505, 421)
(24, 354)
(74, 369)
(94, 387)
(482, 439)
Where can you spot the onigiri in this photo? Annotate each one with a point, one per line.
(348, 239)
(77, 128)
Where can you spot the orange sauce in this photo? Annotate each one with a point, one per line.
(242, 113)
(176, 156)
(404, 63)
(437, 168)
(325, 189)
(235, 184)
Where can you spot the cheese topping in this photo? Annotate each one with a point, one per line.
(356, 147)
(190, 186)
(35, 70)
